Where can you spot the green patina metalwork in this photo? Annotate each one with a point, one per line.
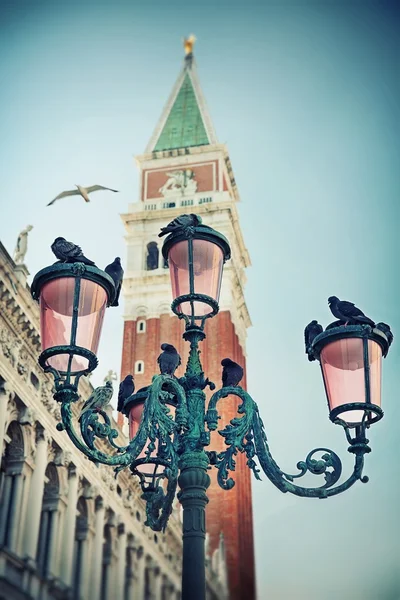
(175, 446)
(184, 126)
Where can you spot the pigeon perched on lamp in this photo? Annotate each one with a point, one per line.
(232, 373)
(387, 331)
(68, 252)
(169, 359)
(126, 389)
(116, 272)
(184, 222)
(348, 312)
(81, 191)
(99, 399)
(310, 333)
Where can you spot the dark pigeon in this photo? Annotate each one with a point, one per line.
(183, 222)
(116, 272)
(310, 333)
(68, 252)
(169, 359)
(347, 312)
(387, 331)
(232, 373)
(126, 389)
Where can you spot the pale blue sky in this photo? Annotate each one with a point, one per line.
(306, 95)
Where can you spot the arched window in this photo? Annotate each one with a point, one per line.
(139, 367)
(106, 560)
(12, 481)
(141, 326)
(81, 532)
(152, 256)
(48, 520)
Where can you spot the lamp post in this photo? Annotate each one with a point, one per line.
(170, 421)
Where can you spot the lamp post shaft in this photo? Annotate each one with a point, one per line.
(194, 481)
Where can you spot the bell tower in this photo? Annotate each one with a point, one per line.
(185, 170)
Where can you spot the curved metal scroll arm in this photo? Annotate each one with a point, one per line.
(246, 434)
(90, 429)
(156, 426)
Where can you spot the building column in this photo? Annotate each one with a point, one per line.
(35, 497)
(140, 567)
(4, 398)
(97, 555)
(69, 526)
(157, 582)
(121, 566)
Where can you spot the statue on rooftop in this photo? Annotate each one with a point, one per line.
(188, 44)
(111, 376)
(22, 245)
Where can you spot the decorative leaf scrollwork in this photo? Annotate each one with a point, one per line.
(247, 434)
(320, 467)
(91, 428)
(237, 435)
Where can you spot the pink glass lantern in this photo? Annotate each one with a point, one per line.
(73, 299)
(351, 368)
(56, 317)
(196, 259)
(208, 261)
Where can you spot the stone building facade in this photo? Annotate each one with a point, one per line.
(68, 528)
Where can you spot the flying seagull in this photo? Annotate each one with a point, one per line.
(348, 312)
(68, 252)
(126, 389)
(232, 373)
(169, 359)
(310, 333)
(99, 399)
(116, 272)
(81, 191)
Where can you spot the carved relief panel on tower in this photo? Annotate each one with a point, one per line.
(183, 180)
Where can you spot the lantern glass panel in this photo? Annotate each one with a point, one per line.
(56, 312)
(208, 261)
(343, 369)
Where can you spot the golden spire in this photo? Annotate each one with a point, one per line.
(188, 44)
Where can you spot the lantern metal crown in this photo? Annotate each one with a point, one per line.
(170, 423)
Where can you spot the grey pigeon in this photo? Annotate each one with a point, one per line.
(116, 272)
(348, 312)
(126, 389)
(232, 373)
(169, 359)
(310, 333)
(184, 222)
(81, 191)
(387, 331)
(69, 252)
(99, 398)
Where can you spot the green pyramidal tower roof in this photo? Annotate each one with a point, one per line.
(184, 126)
(185, 121)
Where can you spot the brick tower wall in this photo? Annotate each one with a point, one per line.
(229, 512)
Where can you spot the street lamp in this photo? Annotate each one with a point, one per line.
(168, 419)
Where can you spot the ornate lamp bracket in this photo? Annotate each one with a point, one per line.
(246, 434)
